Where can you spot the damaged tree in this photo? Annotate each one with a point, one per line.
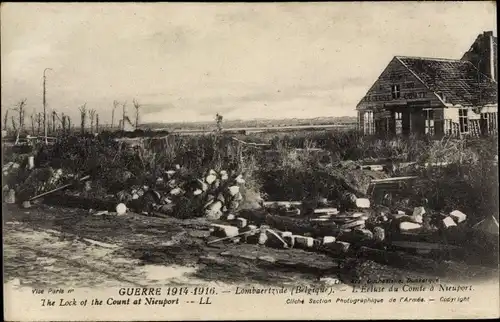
(136, 106)
(83, 116)
(92, 117)
(124, 116)
(32, 117)
(38, 123)
(115, 105)
(68, 120)
(54, 121)
(20, 110)
(64, 123)
(6, 119)
(218, 121)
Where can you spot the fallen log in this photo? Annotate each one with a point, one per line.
(58, 188)
(393, 179)
(423, 264)
(424, 245)
(231, 237)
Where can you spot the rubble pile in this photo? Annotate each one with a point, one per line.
(354, 223)
(212, 195)
(176, 192)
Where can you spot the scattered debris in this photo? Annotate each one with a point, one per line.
(26, 204)
(449, 222)
(409, 226)
(10, 198)
(121, 209)
(458, 216)
(418, 213)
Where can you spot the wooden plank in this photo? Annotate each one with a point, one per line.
(98, 243)
(325, 210)
(57, 189)
(393, 179)
(282, 203)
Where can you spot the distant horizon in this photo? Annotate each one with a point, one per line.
(257, 119)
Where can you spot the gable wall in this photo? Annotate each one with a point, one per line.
(412, 90)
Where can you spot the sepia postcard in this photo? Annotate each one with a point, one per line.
(249, 161)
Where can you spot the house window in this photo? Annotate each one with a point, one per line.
(429, 122)
(368, 122)
(396, 91)
(398, 117)
(463, 120)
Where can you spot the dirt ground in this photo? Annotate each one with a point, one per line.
(47, 246)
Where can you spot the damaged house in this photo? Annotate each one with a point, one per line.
(434, 96)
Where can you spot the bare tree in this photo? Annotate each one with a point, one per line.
(49, 126)
(136, 106)
(83, 116)
(14, 126)
(68, 120)
(92, 117)
(97, 123)
(63, 123)
(218, 121)
(115, 105)
(54, 115)
(21, 111)
(33, 122)
(38, 123)
(6, 119)
(124, 112)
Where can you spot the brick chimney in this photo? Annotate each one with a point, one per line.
(483, 54)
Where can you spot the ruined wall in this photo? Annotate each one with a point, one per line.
(483, 54)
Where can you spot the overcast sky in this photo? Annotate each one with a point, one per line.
(186, 62)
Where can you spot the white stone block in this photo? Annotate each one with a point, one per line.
(458, 216)
(303, 242)
(409, 226)
(241, 222)
(418, 213)
(226, 230)
(449, 222)
(31, 162)
(328, 240)
(362, 203)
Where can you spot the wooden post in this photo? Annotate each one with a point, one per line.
(45, 105)
(53, 121)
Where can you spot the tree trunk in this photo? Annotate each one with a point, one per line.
(6, 119)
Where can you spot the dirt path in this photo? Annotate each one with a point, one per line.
(51, 246)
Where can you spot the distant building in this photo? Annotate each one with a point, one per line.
(435, 96)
